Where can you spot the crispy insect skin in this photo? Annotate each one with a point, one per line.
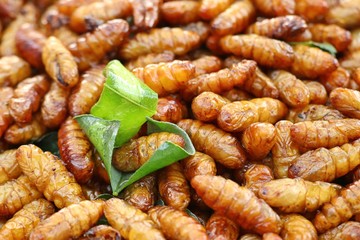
(302, 37)
(350, 60)
(261, 85)
(344, 13)
(237, 116)
(206, 64)
(246, 209)
(258, 140)
(9, 168)
(265, 51)
(130, 221)
(220, 81)
(311, 10)
(69, 222)
(49, 175)
(176, 224)
(209, 9)
(158, 40)
(338, 78)
(326, 164)
(339, 37)
(207, 105)
(180, 12)
(146, 14)
(27, 98)
(165, 78)
(236, 95)
(75, 150)
(59, 63)
(347, 101)
(132, 155)
(340, 209)
(257, 175)
(25, 220)
(318, 94)
(273, 8)
(201, 28)
(173, 187)
(89, 49)
(67, 7)
(65, 35)
(221, 227)
(250, 236)
(170, 109)
(314, 112)
(296, 226)
(15, 194)
(101, 232)
(347, 230)
(151, 58)
(198, 164)
(355, 43)
(13, 70)
(218, 144)
(6, 93)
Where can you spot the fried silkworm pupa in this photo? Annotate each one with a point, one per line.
(13, 70)
(302, 37)
(350, 60)
(198, 164)
(347, 101)
(67, 7)
(318, 94)
(257, 175)
(213, 44)
(258, 140)
(145, 13)
(275, 8)
(49, 175)
(236, 18)
(340, 209)
(135, 153)
(250, 236)
(218, 144)
(150, 58)
(15, 194)
(91, 190)
(65, 35)
(311, 62)
(347, 230)
(314, 112)
(10, 9)
(75, 150)
(297, 195)
(292, 91)
(236, 95)
(59, 63)
(209, 9)
(220, 81)
(201, 28)
(338, 78)
(176, 224)
(158, 40)
(311, 10)
(51, 19)
(328, 134)
(91, 48)
(142, 193)
(246, 209)
(9, 168)
(265, 51)
(221, 227)
(261, 85)
(296, 226)
(344, 14)
(326, 164)
(69, 222)
(130, 222)
(23, 133)
(27, 98)
(237, 116)
(166, 78)
(206, 64)
(25, 220)
(6, 93)
(337, 36)
(180, 12)
(89, 16)
(271, 236)
(173, 187)
(170, 109)
(101, 232)
(355, 43)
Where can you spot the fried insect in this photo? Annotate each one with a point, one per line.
(218, 144)
(220, 81)
(132, 155)
(275, 8)
(146, 13)
(250, 236)
(10, 9)
(258, 140)
(75, 150)
(180, 12)
(221, 227)
(326, 164)
(246, 209)
(101, 232)
(338, 78)
(170, 109)
(49, 175)
(158, 40)
(151, 58)
(25, 220)
(344, 14)
(255, 176)
(198, 164)
(69, 222)
(237, 116)
(314, 112)
(340, 209)
(27, 98)
(261, 85)
(347, 230)
(206, 64)
(355, 43)
(89, 49)
(67, 7)
(318, 94)
(6, 93)
(166, 78)
(130, 221)
(311, 10)
(201, 28)
(296, 226)
(209, 9)
(176, 224)
(65, 35)
(13, 70)
(347, 101)
(302, 37)
(350, 60)
(236, 95)
(213, 44)
(9, 168)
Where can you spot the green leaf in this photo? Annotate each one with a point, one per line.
(105, 196)
(126, 99)
(49, 142)
(327, 47)
(193, 215)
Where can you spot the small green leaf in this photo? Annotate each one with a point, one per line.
(49, 142)
(327, 47)
(105, 196)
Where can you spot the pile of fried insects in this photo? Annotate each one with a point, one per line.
(266, 92)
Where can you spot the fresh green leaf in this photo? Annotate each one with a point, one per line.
(159, 202)
(49, 142)
(126, 99)
(327, 47)
(191, 214)
(105, 196)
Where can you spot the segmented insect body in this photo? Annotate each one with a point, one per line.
(218, 144)
(236, 95)
(130, 221)
(347, 230)
(89, 49)
(9, 168)
(255, 176)
(101, 232)
(274, 8)
(69, 222)
(65, 35)
(49, 176)
(347, 101)
(13, 70)
(6, 93)
(355, 42)
(209, 9)
(318, 94)
(146, 13)
(350, 60)
(218, 227)
(150, 58)
(170, 109)
(297, 226)
(206, 64)
(314, 112)
(344, 13)
(250, 236)
(338, 78)
(246, 209)
(201, 28)
(261, 85)
(198, 164)
(180, 12)
(67, 7)
(311, 10)
(176, 224)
